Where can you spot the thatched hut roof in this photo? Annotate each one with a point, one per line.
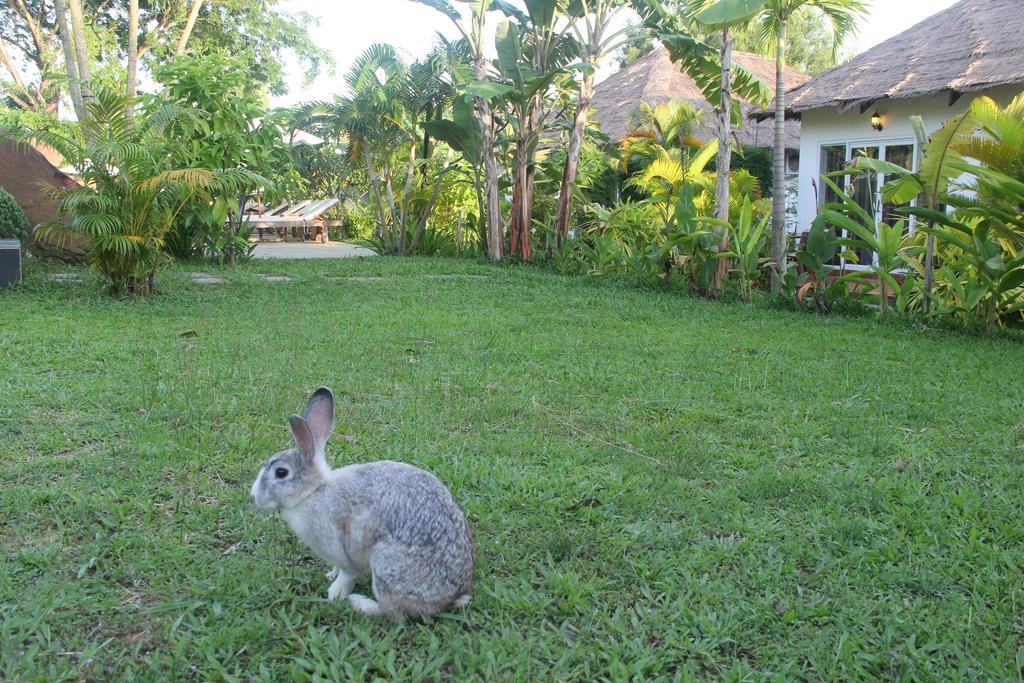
(655, 79)
(973, 45)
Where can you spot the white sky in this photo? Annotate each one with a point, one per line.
(347, 27)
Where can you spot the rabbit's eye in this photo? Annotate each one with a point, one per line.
(281, 472)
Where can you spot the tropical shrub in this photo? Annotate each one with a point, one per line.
(756, 161)
(384, 123)
(13, 223)
(816, 288)
(969, 194)
(982, 278)
(131, 197)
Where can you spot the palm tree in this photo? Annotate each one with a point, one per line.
(129, 200)
(774, 18)
(666, 126)
(382, 121)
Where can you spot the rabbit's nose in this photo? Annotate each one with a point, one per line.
(255, 487)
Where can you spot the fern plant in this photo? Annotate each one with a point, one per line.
(129, 199)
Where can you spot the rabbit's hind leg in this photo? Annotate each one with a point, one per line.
(365, 605)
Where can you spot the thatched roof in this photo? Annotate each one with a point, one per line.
(974, 45)
(655, 79)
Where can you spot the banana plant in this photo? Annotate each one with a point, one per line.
(486, 169)
(747, 239)
(696, 58)
(593, 24)
(723, 16)
(534, 50)
(820, 251)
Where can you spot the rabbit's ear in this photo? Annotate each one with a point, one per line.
(320, 415)
(304, 439)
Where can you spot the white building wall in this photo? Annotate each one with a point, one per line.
(830, 127)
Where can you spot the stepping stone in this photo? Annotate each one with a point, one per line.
(456, 277)
(357, 278)
(274, 278)
(206, 279)
(66, 277)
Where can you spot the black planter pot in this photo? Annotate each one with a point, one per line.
(10, 263)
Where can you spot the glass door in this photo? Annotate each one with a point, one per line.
(865, 189)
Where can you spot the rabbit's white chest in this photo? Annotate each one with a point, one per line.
(322, 537)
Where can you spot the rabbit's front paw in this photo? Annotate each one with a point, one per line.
(341, 587)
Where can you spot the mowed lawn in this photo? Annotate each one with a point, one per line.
(661, 488)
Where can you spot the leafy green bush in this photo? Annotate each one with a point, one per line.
(13, 223)
(231, 128)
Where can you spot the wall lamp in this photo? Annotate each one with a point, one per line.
(876, 121)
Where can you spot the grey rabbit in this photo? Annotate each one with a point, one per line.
(393, 520)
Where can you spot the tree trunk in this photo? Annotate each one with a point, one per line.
(572, 158)
(71, 65)
(929, 273)
(186, 32)
(81, 48)
(481, 211)
(522, 204)
(133, 49)
(403, 214)
(724, 165)
(421, 224)
(522, 195)
(492, 199)
(377, 196)
(458, 234)
(779, 182)
(21, 96)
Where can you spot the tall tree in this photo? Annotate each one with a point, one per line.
(36, 37)
(81, 48)
(70, 63)
(533, 49)
(723, 16)
(638, 43)
(190, 23)
(28, 43)
(774, 19)
(596, 40)
(810, 44)
(133, 50)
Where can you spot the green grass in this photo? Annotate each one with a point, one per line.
(660, 487)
